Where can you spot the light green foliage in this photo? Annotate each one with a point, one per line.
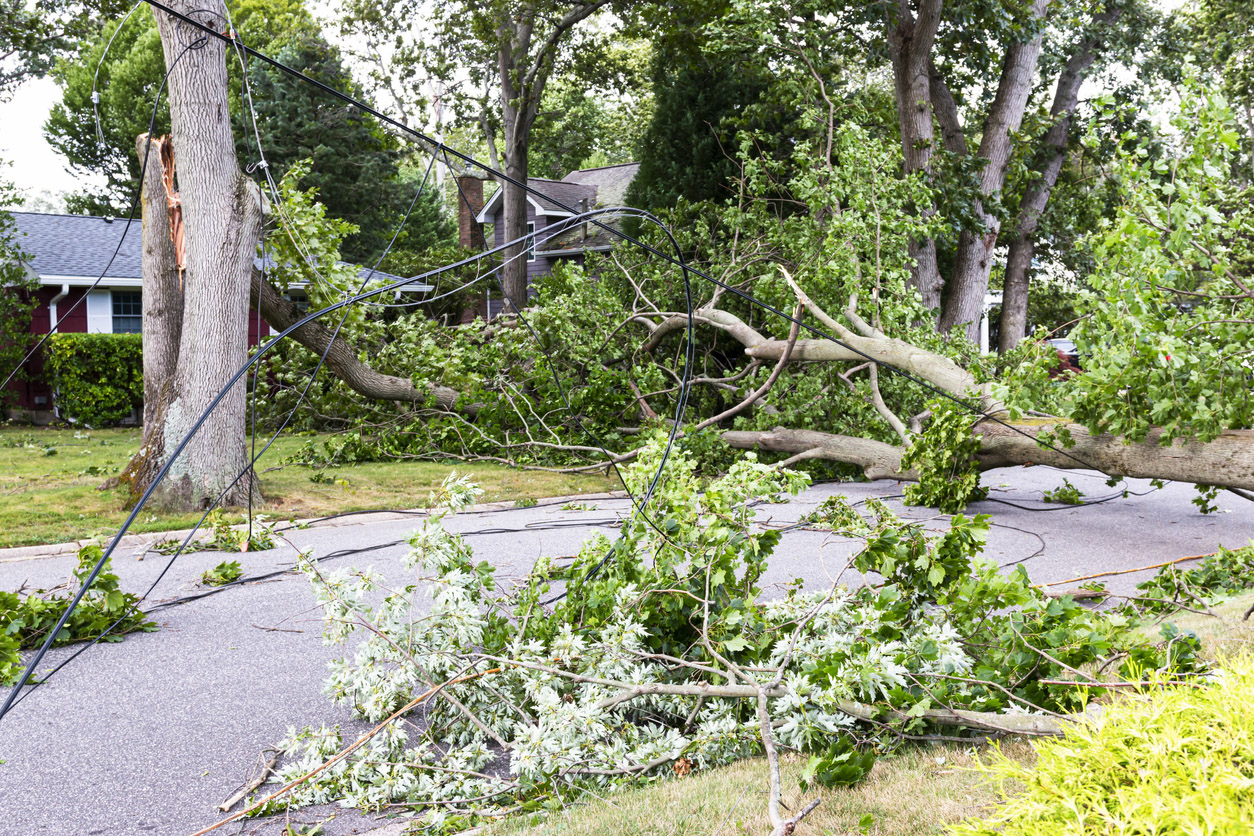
(1164, 760)
(943, 455)
(306, 248)
(674, 601)
(26, 619)
(1167, 340)
(1223, 574)
(98, 378)
(1066, 494)
(228, 571)
(225, 537)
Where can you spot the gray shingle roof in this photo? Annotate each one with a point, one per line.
(558, 192)
(611, 181)
(79, 245)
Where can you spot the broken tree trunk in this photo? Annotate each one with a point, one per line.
(162, 312)
(222, 214)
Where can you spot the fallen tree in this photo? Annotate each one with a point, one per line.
(680, 662)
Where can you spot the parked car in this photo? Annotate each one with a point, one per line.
(1067, 351)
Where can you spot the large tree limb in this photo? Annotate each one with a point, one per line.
(1227, 461)
(341, 358)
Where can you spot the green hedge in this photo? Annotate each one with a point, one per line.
(97, 378)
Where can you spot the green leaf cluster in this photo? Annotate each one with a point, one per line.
(26, 619)
(943, 456)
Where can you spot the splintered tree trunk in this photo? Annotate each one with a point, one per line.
(162, 315)
(222, 215)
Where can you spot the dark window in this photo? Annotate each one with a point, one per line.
(128, 317)
(531, 241)
(298, 298)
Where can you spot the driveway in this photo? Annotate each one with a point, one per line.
(148, 736)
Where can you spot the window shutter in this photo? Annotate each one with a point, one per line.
(99, 312)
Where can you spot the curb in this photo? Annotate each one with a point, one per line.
(136, 541)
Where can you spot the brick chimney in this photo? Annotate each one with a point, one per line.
(469, 204)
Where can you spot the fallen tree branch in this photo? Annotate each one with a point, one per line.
(357, 744)
(1226, 461)
(341, 359)
(252, 785)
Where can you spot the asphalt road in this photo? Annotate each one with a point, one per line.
(148, 736)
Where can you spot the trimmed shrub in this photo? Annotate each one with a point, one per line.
(98, 378)
(1175, 760)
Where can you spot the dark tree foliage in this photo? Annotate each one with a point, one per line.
(127, 82)
(356, 164)
(34, 36)
(17, 288)
(688, 150)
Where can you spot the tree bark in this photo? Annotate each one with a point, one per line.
(910, 40)
(222, 213)
(1012, 325)
(341, 358)
(162, 314)
(1227, 462)
(518, 109)
(968, 284)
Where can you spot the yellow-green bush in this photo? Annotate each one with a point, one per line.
(1178, 760)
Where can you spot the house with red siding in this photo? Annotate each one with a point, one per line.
(90, 276)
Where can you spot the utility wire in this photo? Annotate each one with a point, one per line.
(213, 404)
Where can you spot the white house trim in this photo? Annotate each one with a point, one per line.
(88, 281)
(493, 204)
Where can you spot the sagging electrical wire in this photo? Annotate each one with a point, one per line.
(95, 79)
(439, 146)
(24, 679)
(735, 291)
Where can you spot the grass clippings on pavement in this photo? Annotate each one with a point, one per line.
(50, 482)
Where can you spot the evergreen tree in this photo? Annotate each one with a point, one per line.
(355, 163)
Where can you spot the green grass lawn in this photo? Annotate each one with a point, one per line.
(918, 790)
(50, 480)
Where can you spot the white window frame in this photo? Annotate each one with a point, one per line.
(531, 241)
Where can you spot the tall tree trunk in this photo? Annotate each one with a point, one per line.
(1014, 306)
(910, 40)
(517, 112)
(967, 286)
(222, 214)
